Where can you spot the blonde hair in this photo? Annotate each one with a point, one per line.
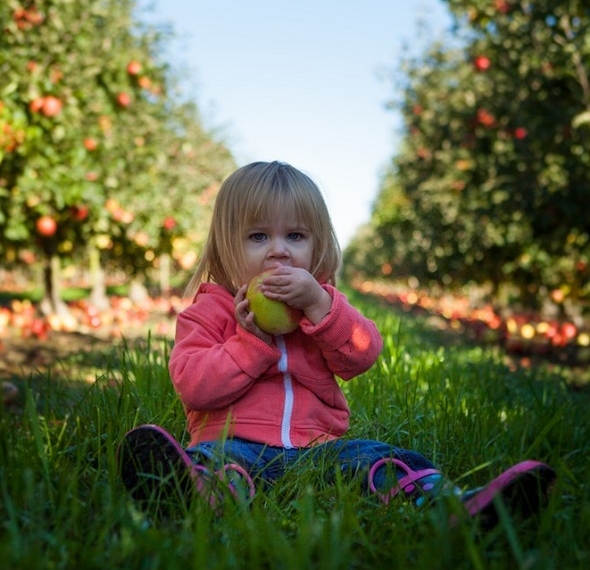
(255, 193)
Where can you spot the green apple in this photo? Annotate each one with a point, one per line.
(272, 316)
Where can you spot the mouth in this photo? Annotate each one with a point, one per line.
(274, 265)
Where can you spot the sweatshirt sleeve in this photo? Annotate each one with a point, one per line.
(214, 361)
(349, 342)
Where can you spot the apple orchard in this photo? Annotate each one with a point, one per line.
(107, 174)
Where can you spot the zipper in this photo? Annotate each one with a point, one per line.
(289, 396)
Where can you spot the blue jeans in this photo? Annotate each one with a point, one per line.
(264, 463)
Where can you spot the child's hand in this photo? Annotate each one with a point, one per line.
(299, 289)
(245, 316)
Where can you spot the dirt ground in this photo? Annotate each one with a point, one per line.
(22, 356)
(76, 358)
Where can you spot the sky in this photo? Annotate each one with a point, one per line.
(302, 81)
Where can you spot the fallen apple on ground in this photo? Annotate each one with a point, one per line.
(9, 393)
(272, 316)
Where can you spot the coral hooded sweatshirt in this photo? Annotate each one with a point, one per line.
(284, 394)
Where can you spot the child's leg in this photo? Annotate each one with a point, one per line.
(263, 463)
(394, 472)
(386, 469)
(524, 488)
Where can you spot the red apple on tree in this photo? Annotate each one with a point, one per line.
(482, 63)
(36, 104)
(51, 106)
(134, 67)
(123, 99)
(503, 6)
(90, 144)
(485, 118)
(144, 82)
(169, 223)
(46, 226)
(79, 212)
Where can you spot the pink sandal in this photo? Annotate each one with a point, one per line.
(153, 465)
(524, 488)
(415, 484)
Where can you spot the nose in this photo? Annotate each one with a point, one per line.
(277, 248)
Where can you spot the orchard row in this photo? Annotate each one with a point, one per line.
(491, 180)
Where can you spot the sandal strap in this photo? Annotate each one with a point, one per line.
(407, 483)
(242, 473)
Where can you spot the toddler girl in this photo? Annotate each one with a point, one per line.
(255, 402)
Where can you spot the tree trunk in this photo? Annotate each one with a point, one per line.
(52, 303)
(165, 275)
(138, 292)
(98, 293)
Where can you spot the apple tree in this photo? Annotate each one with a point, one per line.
(94, 140)
(493, 168)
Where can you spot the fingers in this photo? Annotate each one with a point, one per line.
(240, 294)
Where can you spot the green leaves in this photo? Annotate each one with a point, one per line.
(81, 125)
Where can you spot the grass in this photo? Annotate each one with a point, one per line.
(62, 504)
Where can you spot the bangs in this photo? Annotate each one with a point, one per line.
(271, 203)
(280, 193)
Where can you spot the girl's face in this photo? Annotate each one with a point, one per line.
(283, 240)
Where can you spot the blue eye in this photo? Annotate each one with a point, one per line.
(295, 236)
(258, 236)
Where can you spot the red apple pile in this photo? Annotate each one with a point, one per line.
(520, 334)
(122, 318)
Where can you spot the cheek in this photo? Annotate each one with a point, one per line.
(252, 262)
(305, 258)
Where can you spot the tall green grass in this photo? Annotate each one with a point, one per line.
(62, 504)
